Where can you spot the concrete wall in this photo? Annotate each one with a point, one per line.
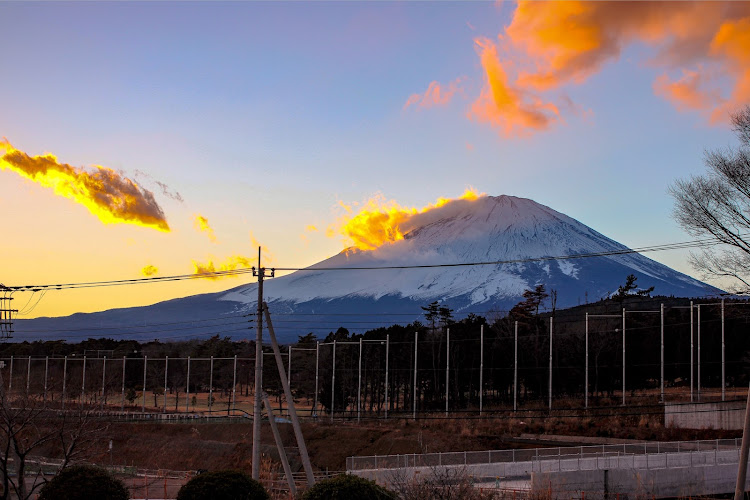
(728, 415)
(659, 475)
(666, 483)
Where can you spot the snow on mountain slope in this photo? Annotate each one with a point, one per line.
(502, 228)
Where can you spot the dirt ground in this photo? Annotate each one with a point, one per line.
(192, 446)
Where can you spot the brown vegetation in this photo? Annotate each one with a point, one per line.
(228, 445)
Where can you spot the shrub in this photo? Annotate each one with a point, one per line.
(222, 485)
(346, 487)
(84, 482)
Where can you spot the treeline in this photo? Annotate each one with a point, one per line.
(441, 342)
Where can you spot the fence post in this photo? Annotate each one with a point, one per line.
(122, 401)
(104, 375)
(187, 387)
(481, 367)
(143, 406)
(317, 367)
(623, 356)
(551, 320)
(234, 382)
(662, 353)
(359, 381)
(515, 367)
(723, 356)
(414, 388)
(83, 383)
(447, 366)
(166, 372)
(333, 380)
(211, 386)
(28, 375)
(387, 352)
(586, 379)
(46, 372)
(691, 352)
(65, 376)
(699, 351)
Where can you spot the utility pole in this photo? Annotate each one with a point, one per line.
(258, 396)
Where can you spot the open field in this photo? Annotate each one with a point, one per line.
(190, 446)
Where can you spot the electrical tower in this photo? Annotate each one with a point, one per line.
(6, 313)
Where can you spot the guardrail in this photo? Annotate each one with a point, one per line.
(530, 455)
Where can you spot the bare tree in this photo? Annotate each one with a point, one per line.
(30, 427)
(441, 483)
(717, 205)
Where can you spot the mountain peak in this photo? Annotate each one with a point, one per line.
(510, 230)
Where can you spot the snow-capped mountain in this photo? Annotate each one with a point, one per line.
(490, 229)
(511, 230)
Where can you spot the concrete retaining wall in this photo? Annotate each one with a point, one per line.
(665, 483)
(727, 415)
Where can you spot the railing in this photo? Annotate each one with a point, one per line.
(538, 454)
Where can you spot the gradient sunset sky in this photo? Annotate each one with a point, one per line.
(230, 125)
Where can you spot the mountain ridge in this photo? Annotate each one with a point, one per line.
(488, 229)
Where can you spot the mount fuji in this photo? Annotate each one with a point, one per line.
(515, 234)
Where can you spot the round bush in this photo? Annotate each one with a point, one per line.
(346, 487)
(84, 482)
(222, 485)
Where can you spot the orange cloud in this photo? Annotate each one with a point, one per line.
(687, 93)
(382, 221)
(149, 270)
(570, 41)
(550, 45)
(108, 195)
(230, 264)
(504, 106)
(733, 42)
(435, 95)
(567, 42)
(202, 225)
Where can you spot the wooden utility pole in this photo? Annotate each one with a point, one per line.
(258, 396)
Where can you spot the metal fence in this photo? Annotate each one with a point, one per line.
(620, 453)
(378, 377)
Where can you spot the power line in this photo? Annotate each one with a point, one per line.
(240, 271)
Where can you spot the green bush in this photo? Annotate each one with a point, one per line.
(222, 485)
(83, 482)
(347, 487)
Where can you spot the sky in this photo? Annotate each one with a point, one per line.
(158, 139)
